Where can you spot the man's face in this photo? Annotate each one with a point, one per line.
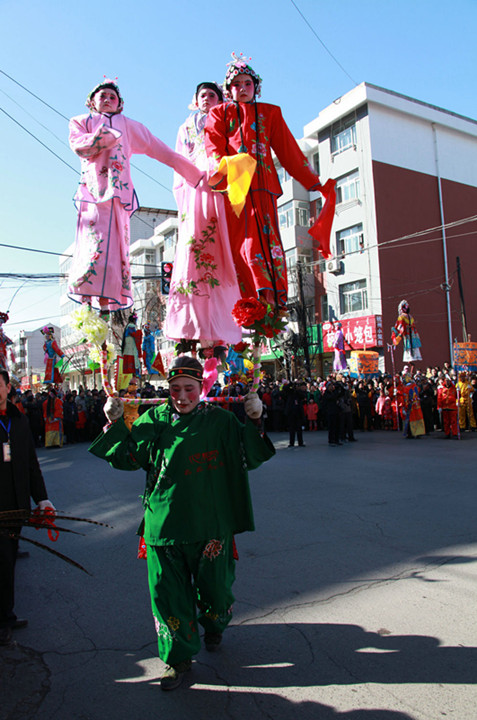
(4, 391)
(185, 394)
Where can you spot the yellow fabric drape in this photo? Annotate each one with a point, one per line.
(239, 170)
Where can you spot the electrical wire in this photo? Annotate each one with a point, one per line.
(323, 44)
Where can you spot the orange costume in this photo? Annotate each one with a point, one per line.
(447, 403)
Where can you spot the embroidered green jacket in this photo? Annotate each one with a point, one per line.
(197, 470)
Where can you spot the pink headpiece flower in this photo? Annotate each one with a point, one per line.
(240, 66)
(106, 83)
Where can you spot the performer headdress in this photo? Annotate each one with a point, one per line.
(403, 307)
(106, 83)
(3, 317)
(240, 66)
(186, 366)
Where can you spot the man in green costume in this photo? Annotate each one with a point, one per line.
(197, 497)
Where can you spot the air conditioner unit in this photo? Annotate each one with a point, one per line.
(333, 266)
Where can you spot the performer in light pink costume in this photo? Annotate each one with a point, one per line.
(204, 285)
(105, 140)
(339, 359)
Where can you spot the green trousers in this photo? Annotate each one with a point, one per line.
(184, 579)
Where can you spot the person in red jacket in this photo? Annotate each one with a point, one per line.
(243, 127)
(447, 403)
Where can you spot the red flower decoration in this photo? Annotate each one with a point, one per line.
(117, 166)
(247, 311)
(240, 347)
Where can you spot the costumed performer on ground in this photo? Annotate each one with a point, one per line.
(405, 330)
(21, 481)
(466, 414)
(105, 139)
(53, 417)
(413, 418)
(339, 358)
(197, 497)
(204, 286)
(447, 404)
(240, 135)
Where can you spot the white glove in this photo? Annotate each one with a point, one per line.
(43, 504)
(253, 406)
(113, 408)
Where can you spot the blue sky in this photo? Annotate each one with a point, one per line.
(159, 52)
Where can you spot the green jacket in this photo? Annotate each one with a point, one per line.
(197, 480)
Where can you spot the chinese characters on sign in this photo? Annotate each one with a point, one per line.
(359, 333)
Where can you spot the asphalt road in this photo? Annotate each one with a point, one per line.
(355, 597)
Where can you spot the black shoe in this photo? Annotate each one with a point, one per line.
(302, 445)
(212, 641)
(291, 445)
(5, 635)
(22, 554)
(19, 623)
(174, 675)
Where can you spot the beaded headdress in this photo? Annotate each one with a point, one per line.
(189, 372)
(106, 83)
(240, 66)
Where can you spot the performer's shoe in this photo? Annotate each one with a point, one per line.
(174, 675)
(19, 623)
(212, 641)
(5, 635)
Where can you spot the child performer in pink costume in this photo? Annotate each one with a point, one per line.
(204, 285)
(243, 126)
(105, 140)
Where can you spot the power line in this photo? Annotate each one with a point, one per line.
(67, 119)
(323, 44)
(41, 143)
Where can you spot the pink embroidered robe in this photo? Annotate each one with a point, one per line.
(106, 199)
(204, 285)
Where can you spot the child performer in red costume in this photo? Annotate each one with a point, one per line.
(243, 127)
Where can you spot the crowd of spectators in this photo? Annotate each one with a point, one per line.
(338, 404)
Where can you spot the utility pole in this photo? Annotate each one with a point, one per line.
(302, 320)
(462, 304)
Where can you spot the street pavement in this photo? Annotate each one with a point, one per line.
(355, 597)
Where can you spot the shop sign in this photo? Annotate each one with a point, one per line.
(359, 333)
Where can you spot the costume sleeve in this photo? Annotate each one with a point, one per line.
(289, 154)
(143, 142)
(258, 449)
(182, 148)
(216, 146)
(87, 144)
(128, 450)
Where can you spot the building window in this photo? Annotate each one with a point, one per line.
(324, 308)
(315, 163)
(294, 213)
(150, 257)
(283, 176)
(285, 215)
(169, 241)
(347, 187)
(349, 240)
(343, 134)
(353, 297)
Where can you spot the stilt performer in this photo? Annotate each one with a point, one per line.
(204, 285)
(405, 330)
(105, 139)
